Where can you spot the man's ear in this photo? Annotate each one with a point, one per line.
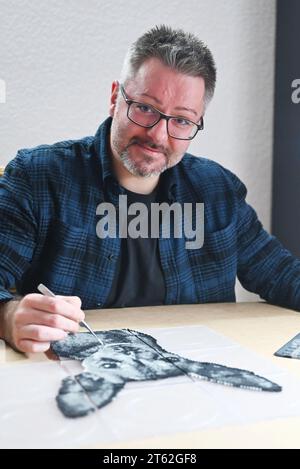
(113, 98)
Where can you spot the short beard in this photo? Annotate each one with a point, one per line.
(137, 171)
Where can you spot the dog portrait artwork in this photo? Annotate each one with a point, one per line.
(128, 355)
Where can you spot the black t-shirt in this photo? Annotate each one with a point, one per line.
(138, 279)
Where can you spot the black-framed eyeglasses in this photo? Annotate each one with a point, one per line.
(148, 116)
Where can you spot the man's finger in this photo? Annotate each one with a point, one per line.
(55, 305)
(73, 300)
(37, 317)
(31, 346)
(41, 333)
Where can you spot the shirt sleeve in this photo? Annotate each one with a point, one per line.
(17, 224)
(265, 267)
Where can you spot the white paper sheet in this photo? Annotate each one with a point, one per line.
(30, 418)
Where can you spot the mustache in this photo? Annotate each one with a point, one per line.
(148, 143)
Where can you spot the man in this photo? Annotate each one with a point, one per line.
(49, 199)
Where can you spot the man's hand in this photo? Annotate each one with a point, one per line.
(31, 324)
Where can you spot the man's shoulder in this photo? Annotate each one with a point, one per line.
(198, 166)
(209, 176)
(52, 162)
(61, 151)
(77, 157)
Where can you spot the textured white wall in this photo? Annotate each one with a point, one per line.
(58, 59)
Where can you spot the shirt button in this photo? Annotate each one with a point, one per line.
(111, 257)
(99, 304)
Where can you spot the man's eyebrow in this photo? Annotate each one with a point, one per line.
(178, 108)
(152, 97)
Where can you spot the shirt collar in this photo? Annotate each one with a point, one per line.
(102, 145)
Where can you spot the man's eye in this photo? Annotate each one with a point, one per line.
(182, 122)
(145, 109)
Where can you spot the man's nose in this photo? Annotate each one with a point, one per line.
(158, 133)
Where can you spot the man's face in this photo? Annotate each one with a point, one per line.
(146, 152)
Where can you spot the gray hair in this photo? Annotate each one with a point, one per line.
(176, 49)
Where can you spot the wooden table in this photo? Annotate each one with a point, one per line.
(260, 327)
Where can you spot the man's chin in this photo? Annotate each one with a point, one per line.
(143, 168)
(143, 171)
(146, 173)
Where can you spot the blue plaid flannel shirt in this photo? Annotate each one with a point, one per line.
(48, 200)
